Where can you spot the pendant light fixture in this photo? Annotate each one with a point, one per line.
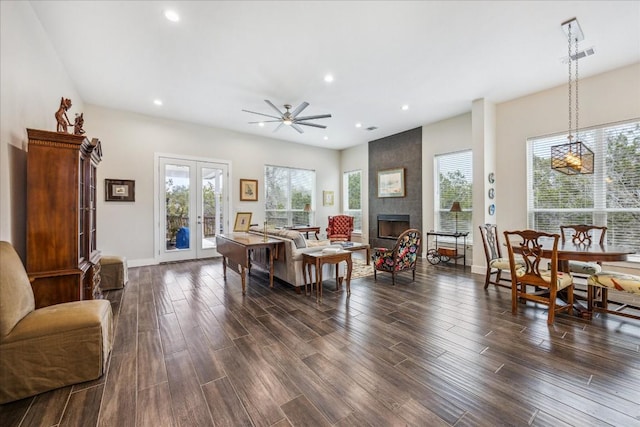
(574, 157)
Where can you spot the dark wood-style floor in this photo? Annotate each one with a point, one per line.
(190, 350)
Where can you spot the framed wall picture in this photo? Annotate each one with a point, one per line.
(119, 190)
(248, 190)
(327, 198)
(243, 221)
(391, 183)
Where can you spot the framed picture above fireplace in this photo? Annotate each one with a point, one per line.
(391, 183)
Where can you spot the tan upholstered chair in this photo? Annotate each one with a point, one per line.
(496, 264)
(340, 228)
(51, 347)
(528, 279)
(584, 235)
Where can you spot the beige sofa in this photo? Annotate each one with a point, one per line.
(288, 266)
(50, 347)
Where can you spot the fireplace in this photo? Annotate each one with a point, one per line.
(392, 226)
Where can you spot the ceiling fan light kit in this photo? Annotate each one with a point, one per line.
(290, 118)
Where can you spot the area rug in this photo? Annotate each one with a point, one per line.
(360, 269)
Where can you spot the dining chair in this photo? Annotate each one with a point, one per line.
(605, 280)
(581, 234)
(496, 263)
(402, 257)
(545, 282)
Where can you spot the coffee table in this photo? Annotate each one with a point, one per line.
(318, 259)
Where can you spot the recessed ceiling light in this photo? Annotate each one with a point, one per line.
(261, 124)
(358, 125)
(405, 107)
(171, 15)
(325, 138)
(328, 78)
(157, 102)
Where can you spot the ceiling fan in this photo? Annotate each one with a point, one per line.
(290, 118)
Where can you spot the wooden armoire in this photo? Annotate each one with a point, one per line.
(63, 262)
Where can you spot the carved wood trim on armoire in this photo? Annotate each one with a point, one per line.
(63, 262)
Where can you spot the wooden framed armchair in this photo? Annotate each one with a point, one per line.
(340, 228)
(584, 235)
(50, 347)
(530, 281)
(402, 257)
(496, 264)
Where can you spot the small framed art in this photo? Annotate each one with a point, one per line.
(327, 198)
(119, 190)
(391, 183)
(243, 221)
(248, 190)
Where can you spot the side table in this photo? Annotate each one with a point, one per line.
(318, 259)
(306, 229)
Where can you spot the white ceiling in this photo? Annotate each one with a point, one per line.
(225, 56)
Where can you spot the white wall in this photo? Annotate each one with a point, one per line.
(130, 142)
(32, 81)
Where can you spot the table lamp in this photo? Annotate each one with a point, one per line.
(307, 209)
(455, 207)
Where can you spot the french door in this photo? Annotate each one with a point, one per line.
(193, 207)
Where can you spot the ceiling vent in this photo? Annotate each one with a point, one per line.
(370, 128)
(581, 54)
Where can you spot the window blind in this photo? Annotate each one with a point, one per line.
(352, 199)
(287, 190)
(609, 197)
(453, 177)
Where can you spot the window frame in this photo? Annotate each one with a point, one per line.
(356, 213)
(443, 219)
(289, 212)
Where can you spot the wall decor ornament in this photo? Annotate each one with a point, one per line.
(248, 190)
(491, 178)
(492, 209)
(492, 193)
(119, 190)
(391, 183)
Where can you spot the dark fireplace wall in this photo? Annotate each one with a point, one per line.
(402, 150)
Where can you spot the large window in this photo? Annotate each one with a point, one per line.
(352, 202)
(610, 196)
(287, 191)
(453, 177)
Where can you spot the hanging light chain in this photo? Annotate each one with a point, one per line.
(577, 112)
(570, 83)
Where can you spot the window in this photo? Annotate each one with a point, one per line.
(454, 174)
(610, 196)
(352, 200)
(287, 190)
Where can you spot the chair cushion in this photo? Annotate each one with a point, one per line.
(16, 295)
(503, 263)
(564, 279)
(584, 267)
(614, 280)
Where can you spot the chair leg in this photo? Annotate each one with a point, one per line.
(590, 292)
(393, 278)
(552, 306)
(514, 298)
(570, 298)
(487, 278)
(375, 274)
(414, 274)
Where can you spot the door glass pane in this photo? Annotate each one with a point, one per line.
(212, 212)
(177, 187)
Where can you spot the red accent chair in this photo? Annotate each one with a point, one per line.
(340, 228)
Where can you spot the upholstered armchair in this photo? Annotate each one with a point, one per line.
(340, 228)
(50, 347)
(402, 257)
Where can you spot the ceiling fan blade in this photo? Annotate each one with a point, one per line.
(270, 104)
(299, 109)
(310, 124)
(278, 127)
(261, 114)
(320, 116)
(296, 127)
(265, 121)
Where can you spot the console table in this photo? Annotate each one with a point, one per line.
(236, 248)
(437, 255)
(306, 229)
